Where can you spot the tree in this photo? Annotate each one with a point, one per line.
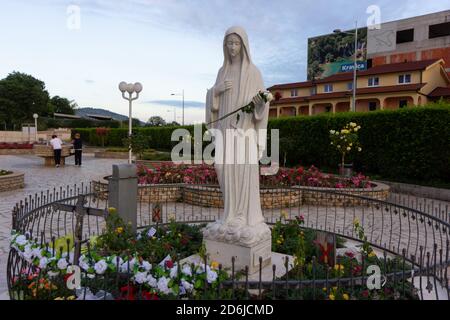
(22, 95)
(62, 105)
(156, 121)
(139, 143)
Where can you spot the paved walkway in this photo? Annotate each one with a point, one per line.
(39, 178)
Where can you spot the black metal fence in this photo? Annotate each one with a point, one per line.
(413, 246)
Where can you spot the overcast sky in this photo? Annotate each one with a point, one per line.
(168, 45)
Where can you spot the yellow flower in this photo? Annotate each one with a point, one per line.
(284, 214)
(172, 217)
(352, 124)
(356, 222)
(112, 210)
(372, 254)
(332, 297)
(324, 289)
(119, 230)
(339, 267)
(345, 296)
(71, 298)
(59, 298)
(215, 265)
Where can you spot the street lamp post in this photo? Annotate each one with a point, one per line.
(130, 88)
(355, 66)
(35, 116)
(180, 94)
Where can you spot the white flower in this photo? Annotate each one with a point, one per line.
(127, 265)
(359, 149)
(52, 274)
(269, 96)
(43, 262)
(152, 282)
(174, 271)
(140, 277)
(146, 265)
(151, 232)
(187, 270)
(187, 285)
(28, 253)
(21, 240)
(163, 285)
(211, 276)
(100, 267)
(352, 124)
(348, 148)
(62, 264)
(83, 264)
(37, 253)
(116, 261)
(332, 131)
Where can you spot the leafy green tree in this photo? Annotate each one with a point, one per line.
(62, 105)
(22, 95)
(156, 121)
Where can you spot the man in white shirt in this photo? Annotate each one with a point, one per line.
(57, 146)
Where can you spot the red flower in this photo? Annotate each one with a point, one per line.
(365, 293)
(357, 270)
(169, 264)
(149, 296)
(349, 254)
(127, 293)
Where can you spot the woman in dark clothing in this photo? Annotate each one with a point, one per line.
(78, 146)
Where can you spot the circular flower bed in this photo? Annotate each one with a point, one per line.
(151, 264)
(206, 174)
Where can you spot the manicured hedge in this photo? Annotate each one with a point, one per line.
(404, 144)
(412, 143)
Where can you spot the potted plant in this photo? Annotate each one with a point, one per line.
(346, 141)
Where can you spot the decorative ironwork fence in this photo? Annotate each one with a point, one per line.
(416, 243)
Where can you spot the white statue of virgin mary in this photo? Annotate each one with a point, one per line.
(237, 160)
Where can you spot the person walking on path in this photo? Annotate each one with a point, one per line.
(78, 147)
(57, 146)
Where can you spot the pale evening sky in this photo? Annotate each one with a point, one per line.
(169, 45)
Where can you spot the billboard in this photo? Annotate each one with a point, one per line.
(334, 53)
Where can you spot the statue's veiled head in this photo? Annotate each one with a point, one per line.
(236, 44)
(233, 43)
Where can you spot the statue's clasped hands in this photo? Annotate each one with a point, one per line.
(224, 86)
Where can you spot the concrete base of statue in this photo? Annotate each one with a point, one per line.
(244, 256)
(247, 244)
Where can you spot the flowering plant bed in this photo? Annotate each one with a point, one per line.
(124, 265)
(4, 145)
(293, 239)
(148, 265)
(205, 174)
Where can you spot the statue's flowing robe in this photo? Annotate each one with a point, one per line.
(239, 181)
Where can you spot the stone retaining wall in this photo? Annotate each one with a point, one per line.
(207, 196)
(14, 152)
(12, 181)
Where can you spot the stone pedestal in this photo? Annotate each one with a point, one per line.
(223, 253)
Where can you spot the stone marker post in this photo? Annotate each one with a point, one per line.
(123, 190)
